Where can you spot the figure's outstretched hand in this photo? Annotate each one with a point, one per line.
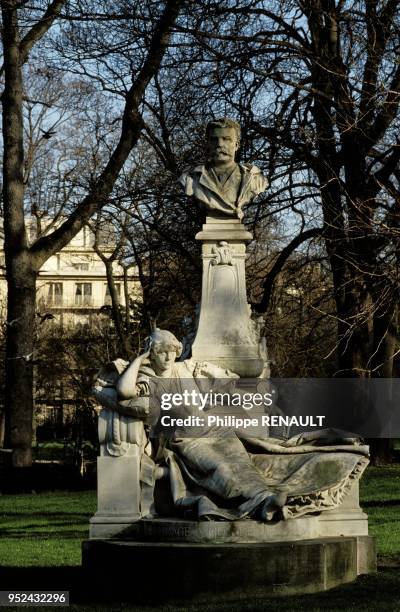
(205, 369)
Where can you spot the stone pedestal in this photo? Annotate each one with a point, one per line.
(225, 560)
(118, 496)
(348, 520)
(222, 571)
(226, 335)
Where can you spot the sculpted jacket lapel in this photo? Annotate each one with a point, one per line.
(211, 185)
(245, 185)
(207, 180)
(215, 192)
(207, 190)
(231, 181)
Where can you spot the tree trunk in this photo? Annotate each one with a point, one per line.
(354, 345)
(381, 450)
(116, 313)
(22, 262)
(19, 266)
(382, 362)
(127, 321)
(19, 361)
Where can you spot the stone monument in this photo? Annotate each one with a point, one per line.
(278, 515)
(226, 333)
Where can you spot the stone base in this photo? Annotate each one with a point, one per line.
(246, 531)
(118, 495)
(326, 525)
(227, 571)
(222, 560)
(347, 520)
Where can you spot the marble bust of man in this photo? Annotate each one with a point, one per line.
(222, 186)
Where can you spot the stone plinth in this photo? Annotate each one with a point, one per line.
(233, 559)
(226, 335)
(325, 525)
(223, 572)
(118, 495)
(224, 560)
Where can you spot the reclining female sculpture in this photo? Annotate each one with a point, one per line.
(222, 475)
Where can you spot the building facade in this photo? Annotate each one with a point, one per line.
(72, 285)
(72, 291)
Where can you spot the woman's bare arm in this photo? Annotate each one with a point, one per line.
(126, 385)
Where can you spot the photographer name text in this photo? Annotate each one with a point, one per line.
(264, 420)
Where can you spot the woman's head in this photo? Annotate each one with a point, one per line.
(164, 349)
(161, 339)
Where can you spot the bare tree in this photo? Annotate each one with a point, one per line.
(315, 86)
(23, 261)
(105, 233)
(318, 86)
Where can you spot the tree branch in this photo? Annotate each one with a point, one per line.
(378, 30)
(280, 262)
(132, 124)
(388, 113)
(39, 29)
(383, 174)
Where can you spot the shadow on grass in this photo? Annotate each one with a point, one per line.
(17, 534)
(48, 515)
(369, 593)
(385, 502)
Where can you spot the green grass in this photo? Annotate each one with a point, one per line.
(40, 544)
(384, 524)
(380, 498)
(47, 529)
(380, 485)
(44, 529)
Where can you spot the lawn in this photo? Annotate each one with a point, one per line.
(41, 538)
(380, 498)
(44, 529)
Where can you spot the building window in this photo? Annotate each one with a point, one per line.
(107, 296)
(79, 262)
(80, 266)
(54, 294)
(83, 294)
